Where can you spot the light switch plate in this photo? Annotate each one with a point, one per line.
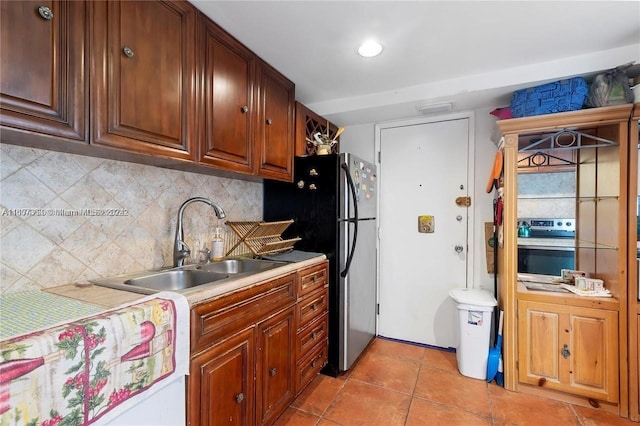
(426, 224)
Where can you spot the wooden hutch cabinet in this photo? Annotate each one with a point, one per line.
(634, 294)
(562, 345)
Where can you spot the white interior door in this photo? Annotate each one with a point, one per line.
(424, 168)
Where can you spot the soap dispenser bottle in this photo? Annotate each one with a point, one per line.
(217, 244)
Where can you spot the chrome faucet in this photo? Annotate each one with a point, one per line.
(180, 249)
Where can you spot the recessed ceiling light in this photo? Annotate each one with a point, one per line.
(369, 49)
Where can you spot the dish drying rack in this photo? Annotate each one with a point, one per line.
(259, 237)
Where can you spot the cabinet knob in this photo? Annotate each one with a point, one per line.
(244, 109)
(272, 372)
(313, 172)
(127, 51)
(565, 351)
(458, 248)
(314, 307)
(269, 121)
(45, 12)
(313, 187)
(314, 335)
(239, 397)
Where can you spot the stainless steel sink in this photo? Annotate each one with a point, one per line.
(186, 277)
(239, 266)
(176, 280)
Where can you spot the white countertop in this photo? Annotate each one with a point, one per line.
(205, 292)
(110, 297)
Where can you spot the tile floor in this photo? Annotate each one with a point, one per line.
(402, 384)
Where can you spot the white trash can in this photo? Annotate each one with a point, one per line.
(475, 308)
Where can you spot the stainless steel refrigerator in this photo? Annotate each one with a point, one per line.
(332, 201)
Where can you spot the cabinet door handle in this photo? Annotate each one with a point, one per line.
(45, 12)
(314, 335)
(565, 351)
(127, 51)
(272, 372)
(314, 307)
(269, 121)
(244, 109)
(239, 397)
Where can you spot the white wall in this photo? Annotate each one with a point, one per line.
(359, 140)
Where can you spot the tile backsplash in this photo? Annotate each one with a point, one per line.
(68, 217)
(547, 195)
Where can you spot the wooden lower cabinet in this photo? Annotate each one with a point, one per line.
(569, 349)
(254, 350)
(221, 385)
(274, 377)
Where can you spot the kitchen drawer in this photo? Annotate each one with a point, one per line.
(312, 278)
(311, 335)
(215, 320)
(311, 307)
(310, 366)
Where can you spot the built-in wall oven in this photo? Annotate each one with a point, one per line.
(546, 245)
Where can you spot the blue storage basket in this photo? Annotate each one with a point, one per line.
(561, 96)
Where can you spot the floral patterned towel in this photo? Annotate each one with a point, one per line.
(96, 367)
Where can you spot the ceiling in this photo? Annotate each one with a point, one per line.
(473, 53)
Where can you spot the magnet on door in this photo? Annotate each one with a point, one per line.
(426, 224)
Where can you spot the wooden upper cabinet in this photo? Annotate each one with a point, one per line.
(143, 75)
(275, 127)
(227, 85)
(42, 56)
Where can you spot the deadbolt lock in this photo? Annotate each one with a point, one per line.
(463, 201)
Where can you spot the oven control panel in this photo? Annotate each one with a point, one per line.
(548, 227)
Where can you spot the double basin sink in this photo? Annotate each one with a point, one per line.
(186, 277)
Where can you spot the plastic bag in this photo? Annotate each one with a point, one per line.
(610, 88)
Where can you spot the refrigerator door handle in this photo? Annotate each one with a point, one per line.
(353, 220)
